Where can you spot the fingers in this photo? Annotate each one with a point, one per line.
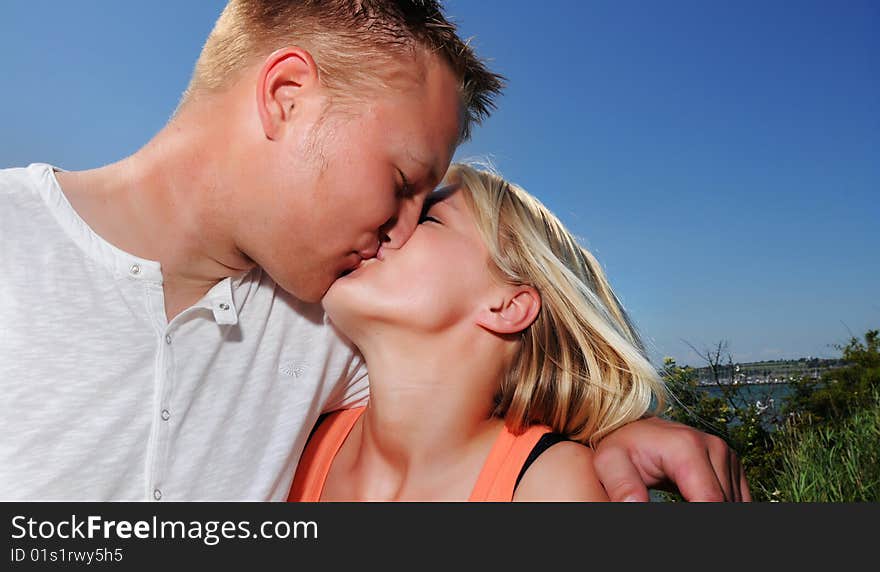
(720, 477)
(739, 479)
(719, 455)
(733, 477)
(619, 476)
(698, 482)
(703, 477)
(655, 453)
(739, 485)
(744, 486)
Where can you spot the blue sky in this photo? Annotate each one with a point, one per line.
(721, 159)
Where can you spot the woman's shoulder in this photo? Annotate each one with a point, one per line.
(564, 472)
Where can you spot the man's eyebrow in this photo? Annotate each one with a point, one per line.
(427, 165)
(438, 196)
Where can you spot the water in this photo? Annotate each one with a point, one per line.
(753, 392)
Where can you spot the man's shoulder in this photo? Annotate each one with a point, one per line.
(27, 196)
(23, 183)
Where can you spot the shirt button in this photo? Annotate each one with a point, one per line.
(157, 494)
(166, 415)
(135, 269)
(168, 339)
(224, 306)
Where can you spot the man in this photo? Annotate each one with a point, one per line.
(162, 338)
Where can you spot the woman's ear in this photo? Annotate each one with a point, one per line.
(515, 311)
(285, 75)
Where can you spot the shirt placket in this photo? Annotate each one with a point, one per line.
(148, 277)
(220, 302)
(161, 411)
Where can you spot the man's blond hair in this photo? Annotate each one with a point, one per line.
(352, 42)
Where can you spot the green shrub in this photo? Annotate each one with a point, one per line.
(829, 462)
(822, 444)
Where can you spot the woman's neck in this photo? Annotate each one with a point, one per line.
(428, 423)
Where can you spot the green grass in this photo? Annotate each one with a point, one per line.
(837, 462)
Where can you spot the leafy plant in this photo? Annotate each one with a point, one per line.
(822, 443)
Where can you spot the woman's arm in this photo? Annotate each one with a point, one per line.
(564, 472)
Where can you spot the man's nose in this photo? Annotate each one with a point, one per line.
(397, 231)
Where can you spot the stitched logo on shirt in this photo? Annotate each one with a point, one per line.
(291, 369)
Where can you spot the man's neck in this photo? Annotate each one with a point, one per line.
(158, 205)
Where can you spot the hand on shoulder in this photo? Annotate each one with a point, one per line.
(563, 473)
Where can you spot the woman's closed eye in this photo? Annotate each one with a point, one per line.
(428, 218)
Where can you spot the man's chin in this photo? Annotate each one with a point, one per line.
(311, 292)
(310, 299)
(316, 295)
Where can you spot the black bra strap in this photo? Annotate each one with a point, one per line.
(545, 442)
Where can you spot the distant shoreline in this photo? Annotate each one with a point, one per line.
(771, 372)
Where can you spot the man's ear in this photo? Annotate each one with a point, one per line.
(515, 311)
(285, 75)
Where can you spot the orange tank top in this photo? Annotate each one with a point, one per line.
(496, 482)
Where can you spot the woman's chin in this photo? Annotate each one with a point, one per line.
(337, 292)
(342, 310)
(333, 301)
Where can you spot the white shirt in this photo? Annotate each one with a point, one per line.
(102, 399)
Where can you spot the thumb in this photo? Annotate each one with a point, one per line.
(619, 476)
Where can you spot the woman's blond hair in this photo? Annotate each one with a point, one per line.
(581, 368)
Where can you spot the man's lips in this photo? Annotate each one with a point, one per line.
(363, 261)
(370, 252)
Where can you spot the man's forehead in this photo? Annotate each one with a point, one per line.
(435, 112)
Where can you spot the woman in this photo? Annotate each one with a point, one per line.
(496, 349)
